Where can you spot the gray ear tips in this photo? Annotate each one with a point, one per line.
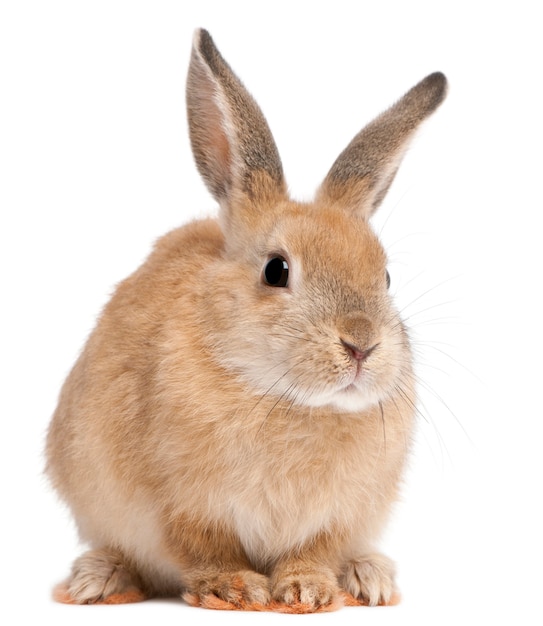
(203, 42)
(438, 79)
(435, 86)
(199, 34)
(202, 36)
(205, 48)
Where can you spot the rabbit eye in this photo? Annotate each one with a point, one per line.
(276, 272)
(388, 279)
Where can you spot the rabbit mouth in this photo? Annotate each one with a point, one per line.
(353, 395)
(356, 394)
(354, 399)
(358, 390)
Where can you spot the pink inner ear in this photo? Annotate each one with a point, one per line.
(210, 143)
(215, 137)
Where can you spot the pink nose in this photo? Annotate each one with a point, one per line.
(357, 353)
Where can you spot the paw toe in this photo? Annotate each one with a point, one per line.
(244, 590)
(307, 591)
(371, 580)
(99, 577)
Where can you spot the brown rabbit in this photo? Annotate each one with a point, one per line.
(238, 422)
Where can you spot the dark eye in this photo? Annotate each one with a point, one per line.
(388, 279)
(276, 272)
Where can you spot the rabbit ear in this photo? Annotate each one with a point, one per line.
(364, 171)
(231, 141)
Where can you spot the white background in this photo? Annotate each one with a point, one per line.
(95, 164)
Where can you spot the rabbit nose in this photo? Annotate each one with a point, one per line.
(357, 353)
(357, 335)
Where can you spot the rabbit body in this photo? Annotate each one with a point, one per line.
(225, 434)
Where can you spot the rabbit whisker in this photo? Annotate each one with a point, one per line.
(384, 425)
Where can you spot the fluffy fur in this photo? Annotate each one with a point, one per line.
(238, 443)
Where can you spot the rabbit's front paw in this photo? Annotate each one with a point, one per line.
(371, 580)
(100, 577)
(312, 590)
(243, 589)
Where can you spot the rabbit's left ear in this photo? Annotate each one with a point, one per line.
(231, 141)
(362, 174)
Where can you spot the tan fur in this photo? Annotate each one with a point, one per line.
(217, 438)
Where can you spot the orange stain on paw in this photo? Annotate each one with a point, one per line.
(214, 603)
(61, 594)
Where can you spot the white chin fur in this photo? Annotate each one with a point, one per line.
(345, 400)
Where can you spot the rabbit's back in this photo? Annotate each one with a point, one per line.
(105, 410)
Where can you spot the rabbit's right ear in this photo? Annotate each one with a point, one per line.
(232, 144)
(363, 172)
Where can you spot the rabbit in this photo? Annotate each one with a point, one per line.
(238, 423)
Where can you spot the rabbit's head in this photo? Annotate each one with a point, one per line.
(299, 304)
